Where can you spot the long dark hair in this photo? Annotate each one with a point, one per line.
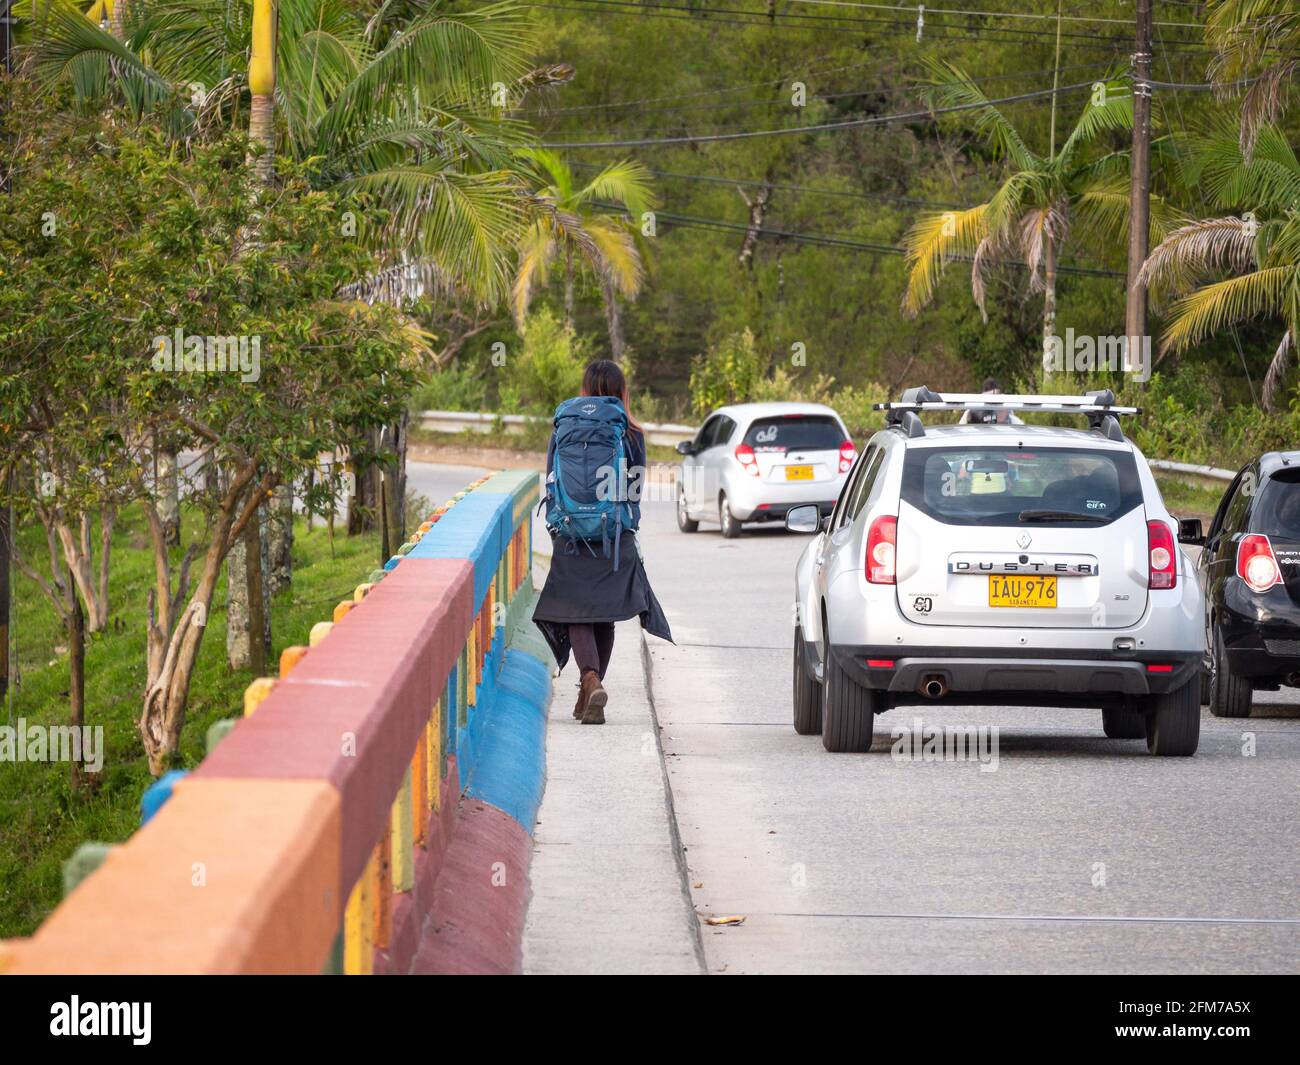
(604, 378)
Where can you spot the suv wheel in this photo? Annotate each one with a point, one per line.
(1123, 723)
(730, 526)
(848, 709)
(1230, 695)
(807, 692)
(1174, 724)
(684, 521)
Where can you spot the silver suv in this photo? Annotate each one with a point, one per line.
(992, 564)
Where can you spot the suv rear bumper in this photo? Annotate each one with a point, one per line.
(1059, 677)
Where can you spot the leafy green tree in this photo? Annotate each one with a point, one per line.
(146, 306)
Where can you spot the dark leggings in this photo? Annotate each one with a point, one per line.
(592, 646)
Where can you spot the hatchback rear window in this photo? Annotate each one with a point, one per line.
(1277, 512)
(1017, 486)
(809, 432)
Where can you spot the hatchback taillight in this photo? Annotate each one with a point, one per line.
(881, 540)
(747, 459)
(1256, 563)
(1161, 557)
(847, 454)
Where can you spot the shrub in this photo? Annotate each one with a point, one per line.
(547, 370)
(728, 373)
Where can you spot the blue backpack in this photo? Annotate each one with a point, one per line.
(587, 488)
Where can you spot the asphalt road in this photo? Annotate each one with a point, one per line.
(1076, 854)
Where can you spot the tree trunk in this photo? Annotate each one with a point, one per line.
(278, 566)
(259, 634)
(163, 713)
(245, 583)
(75, 626)
(568, 286)
(117, 20)
(397, 483)
(614, 321)
(363, 504)
(1049, 292)
(168, 489)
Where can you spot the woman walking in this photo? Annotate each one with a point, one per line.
(595, 467)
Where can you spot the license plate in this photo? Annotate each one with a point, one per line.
(1005, 590)
(798, 473)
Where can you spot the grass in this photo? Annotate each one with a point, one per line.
(43, 821)
(1186, 498)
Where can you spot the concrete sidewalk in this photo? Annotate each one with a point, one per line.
(608, 889)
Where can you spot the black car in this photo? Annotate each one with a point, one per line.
(1250, 574)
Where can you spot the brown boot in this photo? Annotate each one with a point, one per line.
(580, 707)
(595, 698)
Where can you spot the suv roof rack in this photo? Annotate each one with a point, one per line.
(1099, 407)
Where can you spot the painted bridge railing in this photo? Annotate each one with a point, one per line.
(310, 837)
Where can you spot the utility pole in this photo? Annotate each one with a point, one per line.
(6, 513)
(1135, 319)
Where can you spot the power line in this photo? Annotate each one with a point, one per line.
(697, 222)
(784, 21)
(852, 123)
(718, 179)
(802, 76)
(964, 13)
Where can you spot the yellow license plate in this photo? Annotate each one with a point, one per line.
(798, 473)
(1010, 590)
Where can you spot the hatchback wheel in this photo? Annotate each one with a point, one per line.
(807, 692)
(1174, 724)
(1123, 723)
(684, 521)
(1230, 695)
(848, 709)
(730, 526)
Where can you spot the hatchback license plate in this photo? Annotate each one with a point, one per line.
(1022, 591)
(798, 473)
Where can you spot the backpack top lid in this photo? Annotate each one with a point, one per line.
(598, 408)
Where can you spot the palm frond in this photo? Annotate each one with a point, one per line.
(627, 183)
(1199, 250)
(932, 242)
(1259, 294)
(953, 87)
(1109, 110)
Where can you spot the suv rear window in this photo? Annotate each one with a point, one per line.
(795, 432)
(1015, 485)
(1277, 511)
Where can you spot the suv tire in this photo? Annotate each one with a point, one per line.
(807, 692)
(730, 526)
(848, 709)
(1174, 723)
(1123, 723)
(684, 521)
(1230, 695)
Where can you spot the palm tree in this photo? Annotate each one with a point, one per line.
(1256, 41)
(1028, 218)
(1259, 249)
(585, 224)
(412, 123)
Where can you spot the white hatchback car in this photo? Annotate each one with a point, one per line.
(999, 564)
(754, 461)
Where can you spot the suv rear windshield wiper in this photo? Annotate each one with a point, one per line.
(1059, 515)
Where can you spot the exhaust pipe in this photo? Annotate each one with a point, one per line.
(1293, 680)
(933, 686)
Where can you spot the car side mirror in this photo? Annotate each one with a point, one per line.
(805, 519)
(1189, 531)
(686, 447)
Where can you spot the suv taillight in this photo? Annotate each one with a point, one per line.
(747, 459)
(847, 454)
(1256, 563)
(881, 538)
(1161, 556)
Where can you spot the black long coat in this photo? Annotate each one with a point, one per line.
(583, 587)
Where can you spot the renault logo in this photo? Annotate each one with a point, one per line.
(1024, 540)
